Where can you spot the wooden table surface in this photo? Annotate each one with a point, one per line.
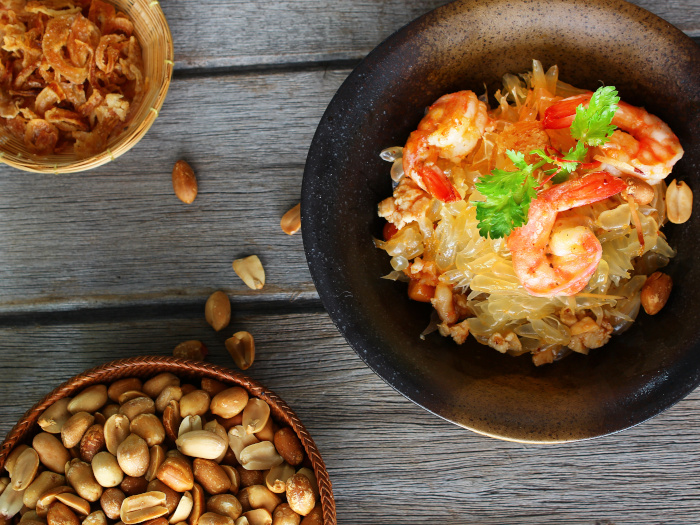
(109, 264)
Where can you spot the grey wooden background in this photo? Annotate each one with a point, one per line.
(109, 264)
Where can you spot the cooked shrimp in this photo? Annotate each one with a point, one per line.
(450, 130)
(644, 146)
(548, 262)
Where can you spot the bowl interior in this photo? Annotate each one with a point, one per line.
(152, 31)
(468, 45)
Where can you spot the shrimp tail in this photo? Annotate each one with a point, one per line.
(561, 114)
(438, 185)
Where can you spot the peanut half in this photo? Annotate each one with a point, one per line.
(291, 221)
(679, 202)
(251, 271)
(241, 347)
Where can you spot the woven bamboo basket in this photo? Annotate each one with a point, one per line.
(153, 33)
(148, 366)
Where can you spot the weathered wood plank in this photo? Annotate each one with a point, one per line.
(118, 233)
(236, 33)
(390, 461)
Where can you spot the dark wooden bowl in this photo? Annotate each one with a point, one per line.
(462, 46)
(148, 366)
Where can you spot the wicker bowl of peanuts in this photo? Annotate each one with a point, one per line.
(158, 441)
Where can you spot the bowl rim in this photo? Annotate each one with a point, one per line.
(318, 261)
(147, 366)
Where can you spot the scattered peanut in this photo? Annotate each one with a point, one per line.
(241, 347)
(195, 350)
(184, 182)
(655, 292)
(251, 271)
(217, 310)
(291, 221)
(679, 202)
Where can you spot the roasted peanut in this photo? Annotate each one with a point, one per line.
(73, 429)
(211, 476)
(655, 292)
(116, 430)
(172, 498)
(106, 470)
(137, 406)
(157, 456)
(149, 428)
(195, 350)
(183, 509)
(239, 439)
(176, 473)
(172, 420)
(198, 504)
(225, 505)
(251, 271)
(211, 518)
(288, 445)
(60, 514)
(255, 415)
(117, 388)
(92, 442)
(241, 347)
(133, 456)
(229, 402)
(217, 310)
(212, 386)
(52, 454)
(639, 190)
(679, 202)
(260, 456)
(79, 475)
(154, 386)
(276, 478)
(259, 496)
(291, 221)
(55, 416)
(111, 502)
(25, 469)
(250, 477)
(132, 486)
(258, 517)
(143, 507)
(184, 182)
(89, 400)
(95, 518)
(44, 482)
(300, 495)
(315, 517)
(194, 404)
(76, 503)
(201, 444)
(284, 515)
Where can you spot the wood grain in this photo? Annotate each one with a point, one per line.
(119, 234)
(240, 33)
(390, 461)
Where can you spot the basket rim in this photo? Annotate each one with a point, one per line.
(145, 366)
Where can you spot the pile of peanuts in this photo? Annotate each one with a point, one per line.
(160, 452)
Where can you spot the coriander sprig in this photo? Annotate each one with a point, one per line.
(509, 193)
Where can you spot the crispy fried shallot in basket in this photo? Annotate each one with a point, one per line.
(71, 73)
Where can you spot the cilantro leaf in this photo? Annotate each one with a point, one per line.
(508, 196)
(593, 125)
